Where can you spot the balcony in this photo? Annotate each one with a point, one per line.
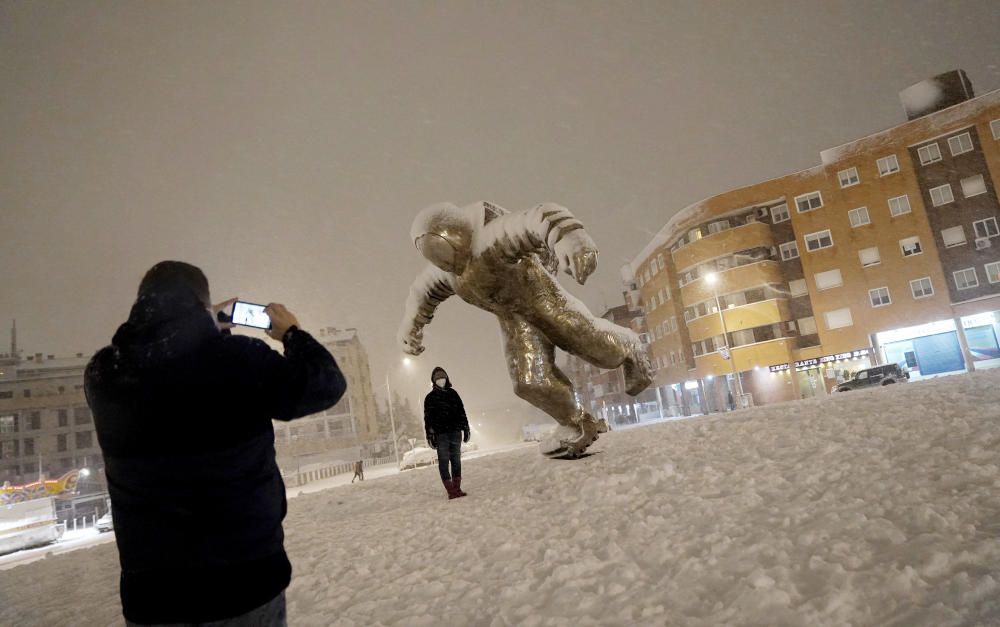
(778, 351)
(740, 318)
(733, 280)
(715, 244)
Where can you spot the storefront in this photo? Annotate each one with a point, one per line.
(819, 375)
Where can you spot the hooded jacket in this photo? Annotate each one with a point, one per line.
(183, 417)
(443, 409)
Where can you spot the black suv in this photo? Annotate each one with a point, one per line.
(879, 375)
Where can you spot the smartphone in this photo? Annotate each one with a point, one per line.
(250, 315)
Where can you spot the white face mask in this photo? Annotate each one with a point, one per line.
(440, 382)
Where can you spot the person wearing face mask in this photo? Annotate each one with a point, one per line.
(446, 427)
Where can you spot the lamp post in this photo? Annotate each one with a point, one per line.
(713, 280)
(392, 418)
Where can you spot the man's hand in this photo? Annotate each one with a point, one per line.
(281, 320)
(466, 434)
(215, 309)
(577, 255)
(432, 440)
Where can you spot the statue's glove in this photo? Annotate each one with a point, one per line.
(577, 255)
(413, 341)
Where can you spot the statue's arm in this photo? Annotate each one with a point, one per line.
(431, 287)
(546, 227)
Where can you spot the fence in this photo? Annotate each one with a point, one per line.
(300, 477)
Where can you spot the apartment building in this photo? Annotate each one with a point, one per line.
(885, 252)
(46, 427)
(351, 421)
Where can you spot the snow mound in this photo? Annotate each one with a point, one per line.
(878, 507)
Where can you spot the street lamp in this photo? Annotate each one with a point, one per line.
(713, 280)
(392, 419)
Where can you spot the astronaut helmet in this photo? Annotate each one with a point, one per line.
(443, 235)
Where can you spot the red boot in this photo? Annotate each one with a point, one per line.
(449, 485)
(458, 487)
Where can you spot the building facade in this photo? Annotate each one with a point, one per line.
(888, 251)
(352, 421)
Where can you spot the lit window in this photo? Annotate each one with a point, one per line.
(995, 127)
(789, 250)
(808, 202)
(779, 213)
(986, 228)
(942, 195)
(960, 144)
(966, 279)
(910, 246)
(887, 165)
(838, 318)
(973, 186)
(929, 153)
(899, 205)
(921, 288)
(848, 177)
(819, 240)
(954, 236)
(879, 297)
(993, 272)
(869, 256)
(829, 279)
(859, 217)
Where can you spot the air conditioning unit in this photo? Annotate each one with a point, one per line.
(983, 242)
(761, 212)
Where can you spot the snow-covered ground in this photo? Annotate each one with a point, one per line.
(875, 507)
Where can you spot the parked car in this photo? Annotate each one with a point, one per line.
(104, 523)
(879, 375)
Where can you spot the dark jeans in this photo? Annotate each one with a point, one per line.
(449, 448)
(271, 614)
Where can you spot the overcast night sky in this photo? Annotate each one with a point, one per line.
(284, 147)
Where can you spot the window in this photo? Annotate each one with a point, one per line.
(797, 287)
(659, 261)
(838, 318)
(27, 393)
(986, 228)
(664, 295)
(942, 195)
(779, 213)
(966, 279)
(869, 256)
(993, 272)
(899, 205)
(63, 418)
(848, 177)
(960, 144)
(61, 442)
(29, 446)
(922, 288)
(887, 165)
(7, 394)
(808, 202)
(819, 240)
(807, 326)
(995, 127)
(859, 217)
(910, 246)
(718, 227)
(8, 424)
(879, 297)
(973, 186)
(34, 421)
(81, 415)
(829, 279)
(954, 236)
(84, 439)
(789, 250)
(929, 153)
(8, 449)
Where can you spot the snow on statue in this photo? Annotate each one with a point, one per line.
(505, 263)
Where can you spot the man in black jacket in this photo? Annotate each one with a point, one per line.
(446, 426)
(183, 415)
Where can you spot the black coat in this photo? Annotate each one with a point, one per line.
(183, 416)
(444, 412)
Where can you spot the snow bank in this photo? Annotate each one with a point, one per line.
(875, 507)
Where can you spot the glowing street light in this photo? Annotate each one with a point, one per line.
(713, 279)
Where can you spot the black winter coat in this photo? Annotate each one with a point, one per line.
(444, 412)
(183, 416)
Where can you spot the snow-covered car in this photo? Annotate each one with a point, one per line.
(104, 523)
(424, 456)
(879, 375)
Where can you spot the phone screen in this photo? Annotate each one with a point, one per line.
(250, 315)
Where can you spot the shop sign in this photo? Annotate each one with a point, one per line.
(816, 361)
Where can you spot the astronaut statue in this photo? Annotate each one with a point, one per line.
(505, 263)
